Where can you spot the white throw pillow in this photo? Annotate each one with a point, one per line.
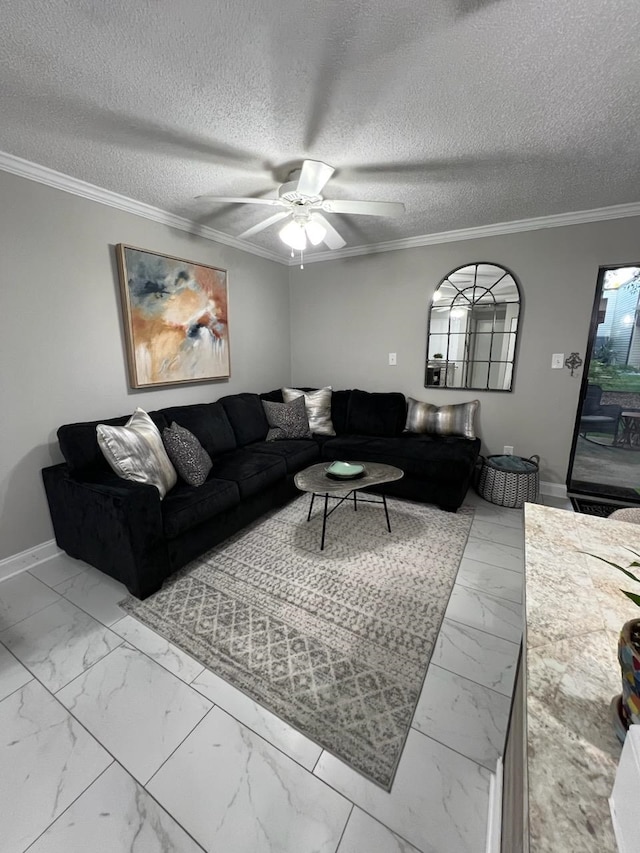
(318, 406)
(135, 452)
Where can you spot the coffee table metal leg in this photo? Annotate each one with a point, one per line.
(324, 521)
(386, 512)
(355, 501)
(313, 497)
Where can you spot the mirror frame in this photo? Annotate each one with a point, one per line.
(430, 367)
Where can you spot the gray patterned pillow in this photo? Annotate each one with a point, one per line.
(191, 460)
(318, 405)
(287, 420)
(455, 419)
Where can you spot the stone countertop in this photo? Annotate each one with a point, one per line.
(574, 612)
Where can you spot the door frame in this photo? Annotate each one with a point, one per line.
(593, 328)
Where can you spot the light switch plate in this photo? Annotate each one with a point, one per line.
(392, 359)
(557, 360)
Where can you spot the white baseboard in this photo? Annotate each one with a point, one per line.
(11, 566)
(494, 823)
(556, 490)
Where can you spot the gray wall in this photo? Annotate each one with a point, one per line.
(61, 347)
(348, 315)
(62, 350)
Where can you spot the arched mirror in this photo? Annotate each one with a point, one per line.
(473, 327)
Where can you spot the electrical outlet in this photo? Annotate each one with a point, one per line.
(392, 359)
(507, 450)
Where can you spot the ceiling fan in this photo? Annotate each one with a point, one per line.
(303, 204)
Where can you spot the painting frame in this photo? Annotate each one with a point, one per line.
(176, 318)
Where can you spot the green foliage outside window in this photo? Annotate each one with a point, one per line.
(614, 377)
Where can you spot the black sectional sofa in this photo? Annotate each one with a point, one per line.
(125, 530)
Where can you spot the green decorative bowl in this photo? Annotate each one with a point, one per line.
(344, 470)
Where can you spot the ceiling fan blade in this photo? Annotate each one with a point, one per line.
(262, 225)
(332, 239)
(368, 208)
(228, 200)
(313, 177)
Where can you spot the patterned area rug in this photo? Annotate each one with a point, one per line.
(335, 642)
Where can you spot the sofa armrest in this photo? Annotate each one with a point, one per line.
(116, 527)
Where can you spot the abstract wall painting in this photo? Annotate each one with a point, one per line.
(175, 318)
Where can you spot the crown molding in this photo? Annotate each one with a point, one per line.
(558, 220)
(66, 183)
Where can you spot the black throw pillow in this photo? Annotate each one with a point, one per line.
(190, 459)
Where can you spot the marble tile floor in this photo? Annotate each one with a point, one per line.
(112, 739)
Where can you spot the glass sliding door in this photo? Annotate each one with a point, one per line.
(605, 455)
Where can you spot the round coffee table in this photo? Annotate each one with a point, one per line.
(315, 481)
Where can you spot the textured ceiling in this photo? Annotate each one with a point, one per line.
(471, 112)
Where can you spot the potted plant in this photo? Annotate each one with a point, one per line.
(626, 706)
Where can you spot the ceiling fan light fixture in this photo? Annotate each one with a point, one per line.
(316, 232)
(301, 202)
(459, 312)
(293, 234)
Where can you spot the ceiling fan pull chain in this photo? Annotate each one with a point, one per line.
(301, 259)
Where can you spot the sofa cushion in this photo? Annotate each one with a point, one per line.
(252, 471)
(287, 420)
(189, 458)
(186, 506)
(339, 409)
(208, 422)
(453, 419)
(318, 405)
(423, 456)
(246, 416)
(296, 453)
(79, 443)
(274, 396)
(381, 414)
(135, 452)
